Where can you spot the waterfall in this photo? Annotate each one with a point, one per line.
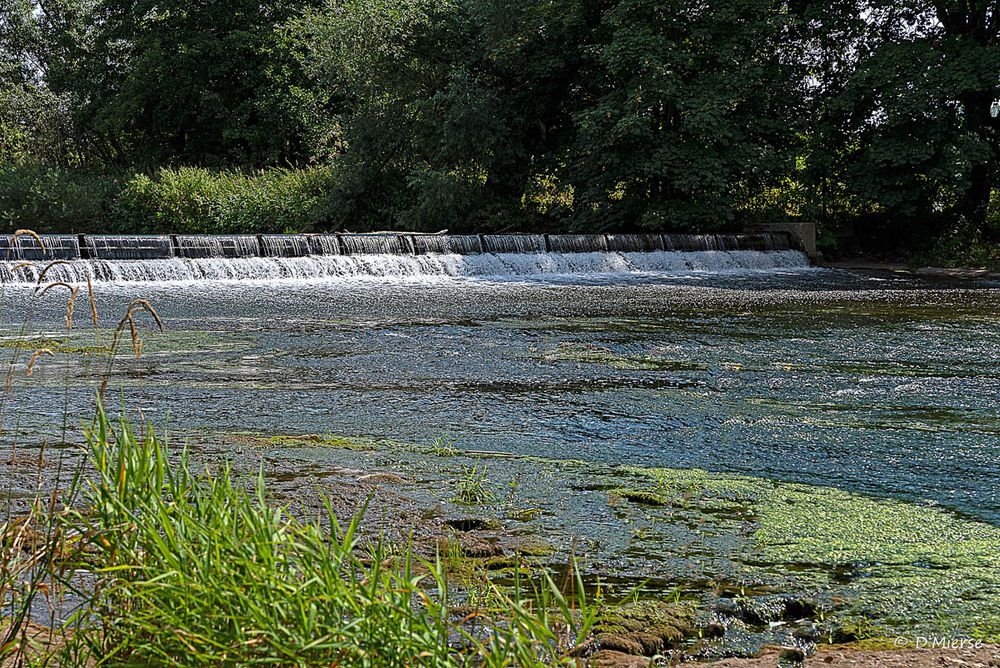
(284, 245)
(314, 267)
(634, 243)
(266, 257)
(373, 244)
(774, 241)
(513, 243)
(576, 243)
(25, 247)
(324, 244)
(140, 247)
(769, 241)
(209, 245)
(461, 244)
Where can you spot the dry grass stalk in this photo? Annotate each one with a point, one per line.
(57, 284)
(135, 336)
(93, 303)
(69, 304)
(146, 306)
(54, 263)
(33, 235)
(69, 308)
(34, 358)
(129, 319)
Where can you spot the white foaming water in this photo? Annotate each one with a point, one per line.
(319, 267)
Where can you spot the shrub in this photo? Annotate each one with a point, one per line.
(195, 200)
(54, 200)
(184, 200)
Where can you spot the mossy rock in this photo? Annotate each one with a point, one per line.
(534, 547)
(645, 628)
(642, 496)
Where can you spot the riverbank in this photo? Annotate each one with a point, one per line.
(902, 269)
(684, 564)
(772, 562)
(703, 465)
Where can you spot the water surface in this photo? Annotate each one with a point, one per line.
(871, 383)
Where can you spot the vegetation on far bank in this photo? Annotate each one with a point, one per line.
(873, 116)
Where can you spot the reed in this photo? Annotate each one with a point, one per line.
(196, 568)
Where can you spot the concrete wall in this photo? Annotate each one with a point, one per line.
(802, 233)
(152, 247)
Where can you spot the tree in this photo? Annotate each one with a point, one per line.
(904, 115)
(472, 113)
(36, 121)
(695, 108)
(169, 81)
(452, 107)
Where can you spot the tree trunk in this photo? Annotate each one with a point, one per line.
(977, 202)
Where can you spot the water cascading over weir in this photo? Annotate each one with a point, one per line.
(128, 258)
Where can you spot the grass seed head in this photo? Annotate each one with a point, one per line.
(34, 359)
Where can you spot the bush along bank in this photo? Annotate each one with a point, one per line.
(183, 200)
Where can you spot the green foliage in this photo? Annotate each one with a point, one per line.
(468, 115)
(197, 200)
(194, 569)
(902, 123)
(473, 115)
(473, 489)
(692, 106)
(185, 200)
(50, 199)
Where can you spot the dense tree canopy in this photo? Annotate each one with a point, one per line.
(480, 114)
(907, 113)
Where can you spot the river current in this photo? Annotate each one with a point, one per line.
(868, 382)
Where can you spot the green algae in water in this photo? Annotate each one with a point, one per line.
(592, 354)
(908, 565)
(884, 565)
(56, 345)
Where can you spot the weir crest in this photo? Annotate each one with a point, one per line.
(128, 258)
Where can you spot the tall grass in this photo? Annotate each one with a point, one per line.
(195, 200)
(182, 200)
(200, 569)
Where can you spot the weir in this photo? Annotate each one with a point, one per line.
(513, 243)
(373, 244)
(130, 258)
(210, 245)
(461, 244)
(140, 247)
(25, 247)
